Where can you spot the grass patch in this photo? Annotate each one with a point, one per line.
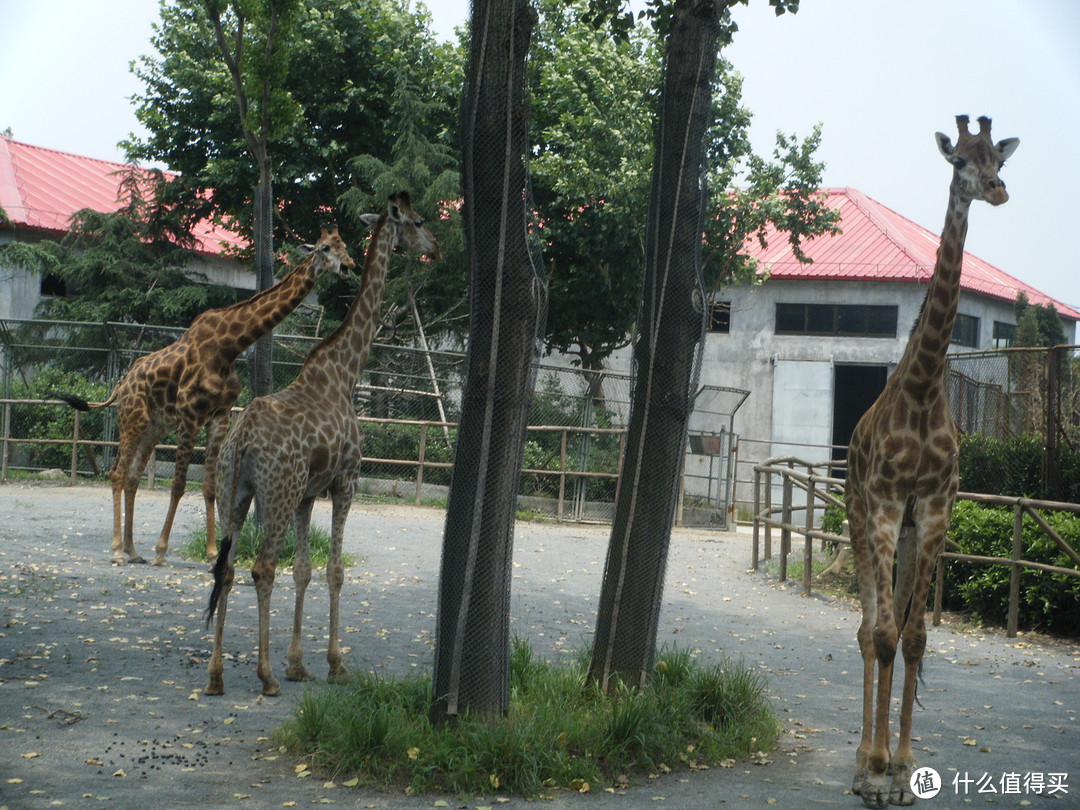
(561, 733)
(251, 535)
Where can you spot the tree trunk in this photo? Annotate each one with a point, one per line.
(262, 375)
(507, 302)
(670, 327)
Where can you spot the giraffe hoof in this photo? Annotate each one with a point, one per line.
(159, 561)
(135, 559)
(298, 673)
(271, 688)
(874, 791)
(119, 561)
(214, 687)
(338, 675)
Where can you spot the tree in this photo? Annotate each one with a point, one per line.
(255, 53)
(343, 68)
(1037, 325)
(669, 331)
(593, 116)
(507, 300)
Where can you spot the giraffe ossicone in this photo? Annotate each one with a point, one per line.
(190, 383)
(902, 481)
(288, 448)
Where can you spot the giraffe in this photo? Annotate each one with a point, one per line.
(287, 448)
(191, 383)
(902, 480)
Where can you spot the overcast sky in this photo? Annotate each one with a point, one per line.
(880, 77)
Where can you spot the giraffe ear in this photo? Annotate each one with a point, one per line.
(944, 145)
(369, 219)
(304, 250)
(1006, 146)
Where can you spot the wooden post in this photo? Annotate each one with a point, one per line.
(7, 436)
(1014, 573)
(562, 475)
(785, 530)
(808, 544)
(75, 451)
(757, 516)
(768, 514)
(420, 462)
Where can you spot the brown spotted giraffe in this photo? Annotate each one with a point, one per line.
(288, 448)
(191, 383)
(902, 480)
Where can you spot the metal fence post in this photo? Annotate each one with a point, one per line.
(75, 451)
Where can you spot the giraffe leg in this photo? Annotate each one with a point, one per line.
(215, 685)
(922, 560)
(275, 512)
(296, 671)
(868, 600)
(342, 496)
(875, 787)
(129, 470)
(185, 441)
(216, 429)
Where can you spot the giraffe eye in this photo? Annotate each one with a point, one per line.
(419, 223)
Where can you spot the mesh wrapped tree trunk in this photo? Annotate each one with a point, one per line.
(666, 356)
(507, 300)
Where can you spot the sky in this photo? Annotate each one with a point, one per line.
(879, 77)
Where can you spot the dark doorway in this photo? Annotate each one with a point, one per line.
(854, 390)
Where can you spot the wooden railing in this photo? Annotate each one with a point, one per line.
(797, 474)
(419, 465)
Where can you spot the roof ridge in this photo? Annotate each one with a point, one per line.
(867, 206)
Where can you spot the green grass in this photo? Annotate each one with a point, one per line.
(247, 546)
(560, 733)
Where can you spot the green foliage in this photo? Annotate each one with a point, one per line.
(392, 441)
(127, 266)
(1048, 602)
(1001, 466)
(1037, 325)
(560, 731)
(56, 421)
(593, 117)
(250, 539)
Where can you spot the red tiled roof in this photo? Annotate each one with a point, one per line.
(41, 188)
(879, 244)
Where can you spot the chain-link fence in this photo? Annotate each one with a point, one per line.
(1019, 413)
(409, 399)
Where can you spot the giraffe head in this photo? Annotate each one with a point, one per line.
(976, 160)
(329, 253)
(409, 232)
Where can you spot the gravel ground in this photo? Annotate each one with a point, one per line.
(102, 667)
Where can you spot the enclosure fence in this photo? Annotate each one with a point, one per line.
(809, 487)
(408, 400)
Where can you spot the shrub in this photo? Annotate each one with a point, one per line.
(1047, 601)
(250, 539)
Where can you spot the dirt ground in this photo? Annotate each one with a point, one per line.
(102, 668)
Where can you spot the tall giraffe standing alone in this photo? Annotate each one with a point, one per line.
(902, 480)
(287, 448)
(191, 383)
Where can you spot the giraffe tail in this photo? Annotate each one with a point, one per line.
(221, 565)
(78, 403)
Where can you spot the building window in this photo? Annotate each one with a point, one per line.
(720, 317)
(965, 331)
(1004, 334)
(836, 320)
(53, 286)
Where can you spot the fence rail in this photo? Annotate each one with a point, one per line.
(817, 496)
(565, 505)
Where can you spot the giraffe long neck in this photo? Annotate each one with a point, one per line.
(339, 359)
(924, 357)
(245, 322)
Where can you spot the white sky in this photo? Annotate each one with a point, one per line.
(880, 77)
